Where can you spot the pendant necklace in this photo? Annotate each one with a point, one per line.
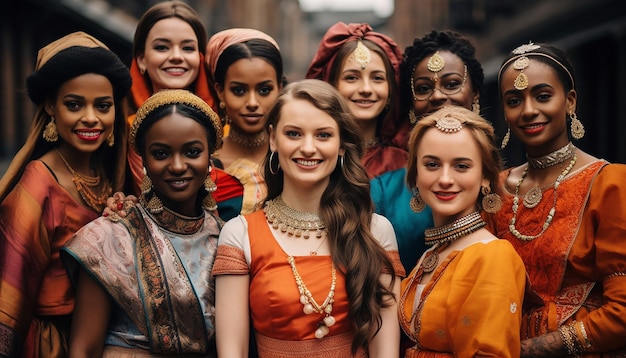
(534, 195)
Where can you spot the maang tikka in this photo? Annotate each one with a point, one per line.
(435, 64)
(361, 55)
(521, 63)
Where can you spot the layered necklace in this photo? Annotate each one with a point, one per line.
(534, 195)
(309, 303)
(552, 211)
(87, 187)
(442, 236)
(293, 222)
(247, 140)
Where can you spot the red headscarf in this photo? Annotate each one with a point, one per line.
(339, 34)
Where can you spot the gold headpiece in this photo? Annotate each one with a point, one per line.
(175, 96)
(448, 124)
(361, 54)
(521, 62)
(435, 64)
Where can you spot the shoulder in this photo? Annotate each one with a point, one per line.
(495, 253)
(234, 231)
(383, 232)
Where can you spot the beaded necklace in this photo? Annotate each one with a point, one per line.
(450, 232)
(86, 187)
(291, 221)
(552, 211)
(311, 305)
(247, 140)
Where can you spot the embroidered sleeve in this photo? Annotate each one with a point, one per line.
(233, 251)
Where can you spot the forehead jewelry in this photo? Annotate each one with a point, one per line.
(448, 125)
(521, 63)
(361, 55)
(435, 64)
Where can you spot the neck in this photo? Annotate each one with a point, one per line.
(252, 140)
(455, 230)
(553, 158)
(368, 131)
(302, 200)
(76, 160)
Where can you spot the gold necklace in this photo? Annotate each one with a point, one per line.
(534, 195)
(293, 222)
(247, 140)
(460, 227)
(86, 185)
(552, 211)
(311, 305)
(372, 142)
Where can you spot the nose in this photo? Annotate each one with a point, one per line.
(177, 164)
(366, 86)
(528, 109)
(90, 118)
(438, 95)
(307, 146)
(252, 104)
(446, 179)
(176, 54)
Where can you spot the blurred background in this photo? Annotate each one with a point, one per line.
(592, 32)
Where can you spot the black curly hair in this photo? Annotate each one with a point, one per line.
(427, 45)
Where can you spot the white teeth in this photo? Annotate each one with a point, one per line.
(307, 162)
(179, 182)
(175, 70)
(88, 134)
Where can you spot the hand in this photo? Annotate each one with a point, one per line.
(118, 204)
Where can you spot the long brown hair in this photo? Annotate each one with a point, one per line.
(346, 208)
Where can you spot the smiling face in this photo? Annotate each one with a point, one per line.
(307, 141)
(449, 173)
(537, 115)
(84, 111)
(171, 56)
(452, 78)
(250, 89)
(177, 161)
(366, 90)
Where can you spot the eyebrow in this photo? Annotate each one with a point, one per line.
(441, 76)
(458, 159)
(531, 89)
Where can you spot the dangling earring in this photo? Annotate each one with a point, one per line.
(274, 172)
(416, 203)
(154, 205)
(50, 133)
(111, 139)
(506, 138)
(209, 203)
(491, 201)
(341, 161)
(222, 105)
(476, 106)
(412, 117)
(577, 128)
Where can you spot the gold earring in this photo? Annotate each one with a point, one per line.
(111, 139)
(417, 204)
(146, 183)
(412, 116)
(506, 138)
(50, 133)
(491, 201)
(577, 128)
(476, 106)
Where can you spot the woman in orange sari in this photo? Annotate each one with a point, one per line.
(564, 214)
(59, 181)
(464, 297)
(316, 271)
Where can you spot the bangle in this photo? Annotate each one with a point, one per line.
(568, 340)
(583, 332)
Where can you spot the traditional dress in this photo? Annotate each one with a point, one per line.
(471, 307)
(247, 172)
(391, 198)
(577, 267)
(248, 247)
(36, 298)
(157, 270)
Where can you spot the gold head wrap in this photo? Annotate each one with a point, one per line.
(175, 96)
(78, 38)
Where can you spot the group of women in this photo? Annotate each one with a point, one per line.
(363, 211)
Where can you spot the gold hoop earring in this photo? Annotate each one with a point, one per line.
(50, 133)
(577, 128)
(492, 202)
(506, 138)
(416, 203)
(271, 159)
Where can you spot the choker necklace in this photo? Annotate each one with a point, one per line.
(552, 211)
(247, 140)
(311, 306)
(557, 157)
(293, 222)
(86, 187)
(456, 229)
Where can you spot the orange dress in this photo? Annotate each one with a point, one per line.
(36, 298)
(577, 268)
(471, 307)
(247, 246)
